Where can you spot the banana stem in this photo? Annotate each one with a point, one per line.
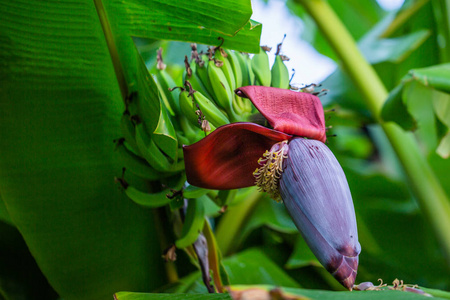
(429, 193)
(403, 17)
(160, 224)
(109, 37)
(232, 221)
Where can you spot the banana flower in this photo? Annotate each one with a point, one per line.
(291, 163)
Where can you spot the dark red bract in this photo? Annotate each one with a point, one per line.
(227, 157)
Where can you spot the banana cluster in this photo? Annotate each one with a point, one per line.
(203, 101)
(207, 99)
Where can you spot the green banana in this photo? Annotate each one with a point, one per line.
(222, 91)
(210, 110)
(128, 131)
(136, 164)
(188, 109)
(243, 64)
(202, 72)
(236, 66)
(248, 77)
(197, 112)
(261, 68)
(194, 221)
(150, 151)
(280, 73)
(145, 199)
(165, 84)
(191, 132)
(227, 69)
(192, 191)
(192, 76)
(182, 139)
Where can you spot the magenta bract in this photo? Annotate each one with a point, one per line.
(227, 157)
(296, 113)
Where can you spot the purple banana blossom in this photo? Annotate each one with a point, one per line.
(292, 163)
(316, 194)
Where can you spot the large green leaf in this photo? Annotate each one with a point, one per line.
(413, 45)
(240, 269)
(141, 19)
(386, 215)
(271, 214)
(227, 16)
(142, 296)
(423, 98)
(60, 110)
(251, 266)
(264, 292)
(4, 215)
(20, 277)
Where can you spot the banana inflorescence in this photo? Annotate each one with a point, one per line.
(191, 106)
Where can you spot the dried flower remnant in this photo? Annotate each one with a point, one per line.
(170, 253)
(397, 285)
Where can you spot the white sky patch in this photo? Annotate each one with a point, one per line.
(390, 4)
(309, 65)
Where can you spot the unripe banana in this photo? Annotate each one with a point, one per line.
(236, 66)
(248, 78)
(152, 153)
(280, 73)
(226, 67)
(190, 74)
(165, 83)
(135, 164)
(210, 110)
(190, 131)
(222, 91)
(145, 199)
(261, 67)
(202, 73)
(188, 109)
(192, 191)
(128, 131)
(201, 109)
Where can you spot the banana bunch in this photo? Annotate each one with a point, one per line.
(211, 78)
(204, 101)
(190, 107)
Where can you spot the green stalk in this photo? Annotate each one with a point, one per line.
(403, 17)
(232, 221)
(106, 26)
(429, 193)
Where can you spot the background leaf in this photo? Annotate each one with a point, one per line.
(57, 168)
(140, 19)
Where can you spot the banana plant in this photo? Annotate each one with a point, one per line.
(67, 69)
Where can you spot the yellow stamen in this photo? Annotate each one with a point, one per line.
(268, 175)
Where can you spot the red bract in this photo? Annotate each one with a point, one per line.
(227, 157)
(295, 113)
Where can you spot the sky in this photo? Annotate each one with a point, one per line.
(310, 66)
